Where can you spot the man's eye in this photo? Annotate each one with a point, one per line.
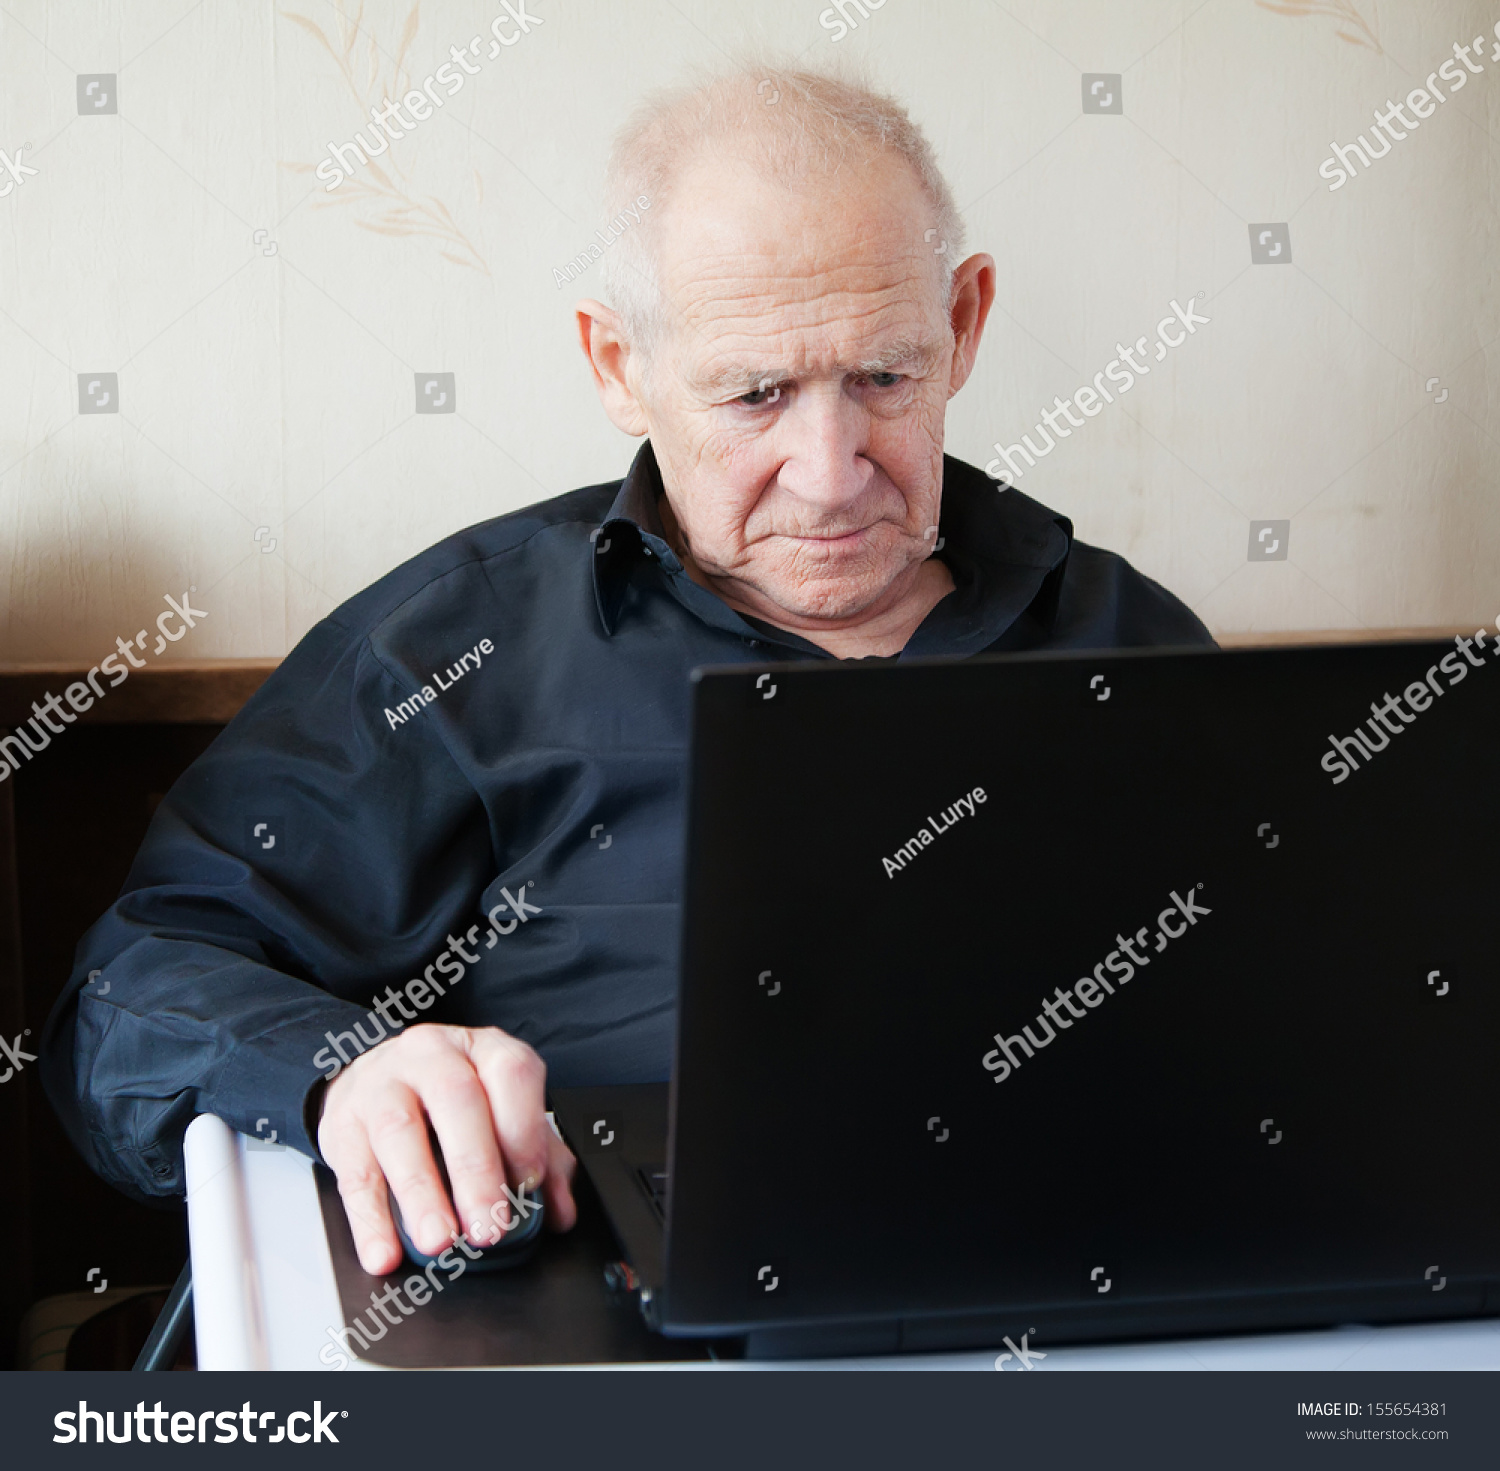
(885, 380)
(759, 398)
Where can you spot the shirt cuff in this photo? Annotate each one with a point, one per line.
(272, 1085)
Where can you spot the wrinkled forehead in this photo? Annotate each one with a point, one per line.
(812, 270)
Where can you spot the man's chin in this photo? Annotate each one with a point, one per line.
(825, 599)
(823, 589)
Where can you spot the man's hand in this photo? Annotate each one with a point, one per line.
(483, 1092)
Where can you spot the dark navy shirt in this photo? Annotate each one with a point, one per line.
(510, 707)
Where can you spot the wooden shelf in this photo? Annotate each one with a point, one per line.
(211, 691)
(1293, 638)
(173, 692)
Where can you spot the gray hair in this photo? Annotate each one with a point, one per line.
(796, 119)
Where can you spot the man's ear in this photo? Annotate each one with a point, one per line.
(973, 295)
(608, 351)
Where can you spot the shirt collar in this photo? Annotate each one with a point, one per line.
(632, 535)
(1007, 554)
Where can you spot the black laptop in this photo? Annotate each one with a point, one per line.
(1082, 997)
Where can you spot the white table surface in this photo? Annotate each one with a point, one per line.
(264, 1294)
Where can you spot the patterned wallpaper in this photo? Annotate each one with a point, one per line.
(244, 351)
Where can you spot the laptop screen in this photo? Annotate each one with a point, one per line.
(1106, 979)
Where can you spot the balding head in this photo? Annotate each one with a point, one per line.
(804, 132)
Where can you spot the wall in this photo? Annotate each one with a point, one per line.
(262, 446)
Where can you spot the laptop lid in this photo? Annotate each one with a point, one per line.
(1122, 992)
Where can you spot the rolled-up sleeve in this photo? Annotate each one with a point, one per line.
(312, 856)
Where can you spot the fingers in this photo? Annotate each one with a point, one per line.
(362, 1188)
(515, 1079)
(557, 1188)
(459, 1108)
(485, 1095)
(397, 1129)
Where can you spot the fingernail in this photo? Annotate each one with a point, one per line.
(434, 1230)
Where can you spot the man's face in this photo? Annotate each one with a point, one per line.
(795, 398)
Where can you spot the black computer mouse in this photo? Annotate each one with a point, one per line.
(520, 1241)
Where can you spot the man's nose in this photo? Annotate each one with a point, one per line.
(825, 438)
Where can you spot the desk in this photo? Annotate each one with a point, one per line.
(265, 1293)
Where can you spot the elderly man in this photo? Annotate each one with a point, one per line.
(471, 773)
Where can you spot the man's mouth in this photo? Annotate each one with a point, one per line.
(829, 539)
